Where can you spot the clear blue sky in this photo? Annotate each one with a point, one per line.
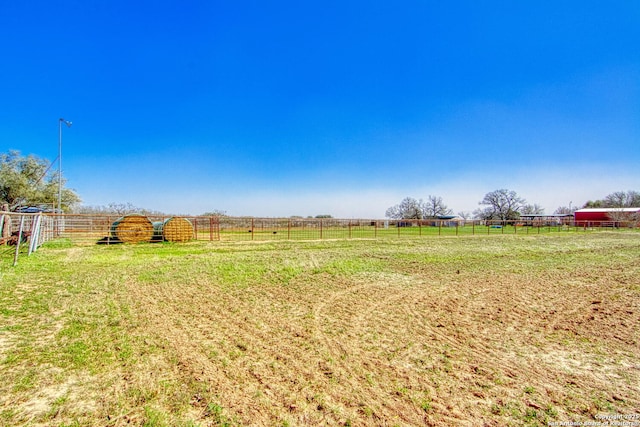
(287, 108)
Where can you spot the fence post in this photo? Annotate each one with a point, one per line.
(15, 256)
(35, 233)
(321, 229)
(252, 229)
(6, 226)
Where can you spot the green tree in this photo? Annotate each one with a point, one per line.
(28, 181)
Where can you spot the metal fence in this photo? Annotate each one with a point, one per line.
(261, 229)
(24, 232)
(98, 228)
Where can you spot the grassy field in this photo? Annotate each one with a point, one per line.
(478, 330)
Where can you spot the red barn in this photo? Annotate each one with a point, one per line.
(605, 214)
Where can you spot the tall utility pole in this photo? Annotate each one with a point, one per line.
(68, 123)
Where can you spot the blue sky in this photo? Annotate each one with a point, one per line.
(287, 108)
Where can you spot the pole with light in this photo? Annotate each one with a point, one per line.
(68, 123)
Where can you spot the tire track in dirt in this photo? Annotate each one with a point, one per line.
(374, 316)
(254, 345)
(341, 322)
(318, 351)
(528, 332)
(502, 344)
(383, 341)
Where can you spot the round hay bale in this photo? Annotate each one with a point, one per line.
(177, 229)
(134, 228)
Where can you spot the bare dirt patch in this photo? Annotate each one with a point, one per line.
(412, 347)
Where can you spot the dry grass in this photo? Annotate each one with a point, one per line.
(448, 332)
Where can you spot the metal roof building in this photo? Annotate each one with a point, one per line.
(605, 214)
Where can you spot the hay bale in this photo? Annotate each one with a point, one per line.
(178, 229)
(134, 228)
(175, 229)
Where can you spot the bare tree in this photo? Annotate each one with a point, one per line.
(532, 209)
(500, 204)
(564, 210)
(621, 199)
(465, 215)
(633, 199)
(114, 208)
(409, 208)
(619, 215)
(434, 206)
(217, 212)
(617, 199)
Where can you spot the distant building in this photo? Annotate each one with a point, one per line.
(583, 216)
(545, 219)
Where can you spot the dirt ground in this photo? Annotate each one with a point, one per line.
(418, 346)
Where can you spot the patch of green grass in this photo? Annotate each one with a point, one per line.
(425, 405)
(26, 381)
(216, 413)
(154, 418)
(61, 243)
(7, 415)
(56, 406)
